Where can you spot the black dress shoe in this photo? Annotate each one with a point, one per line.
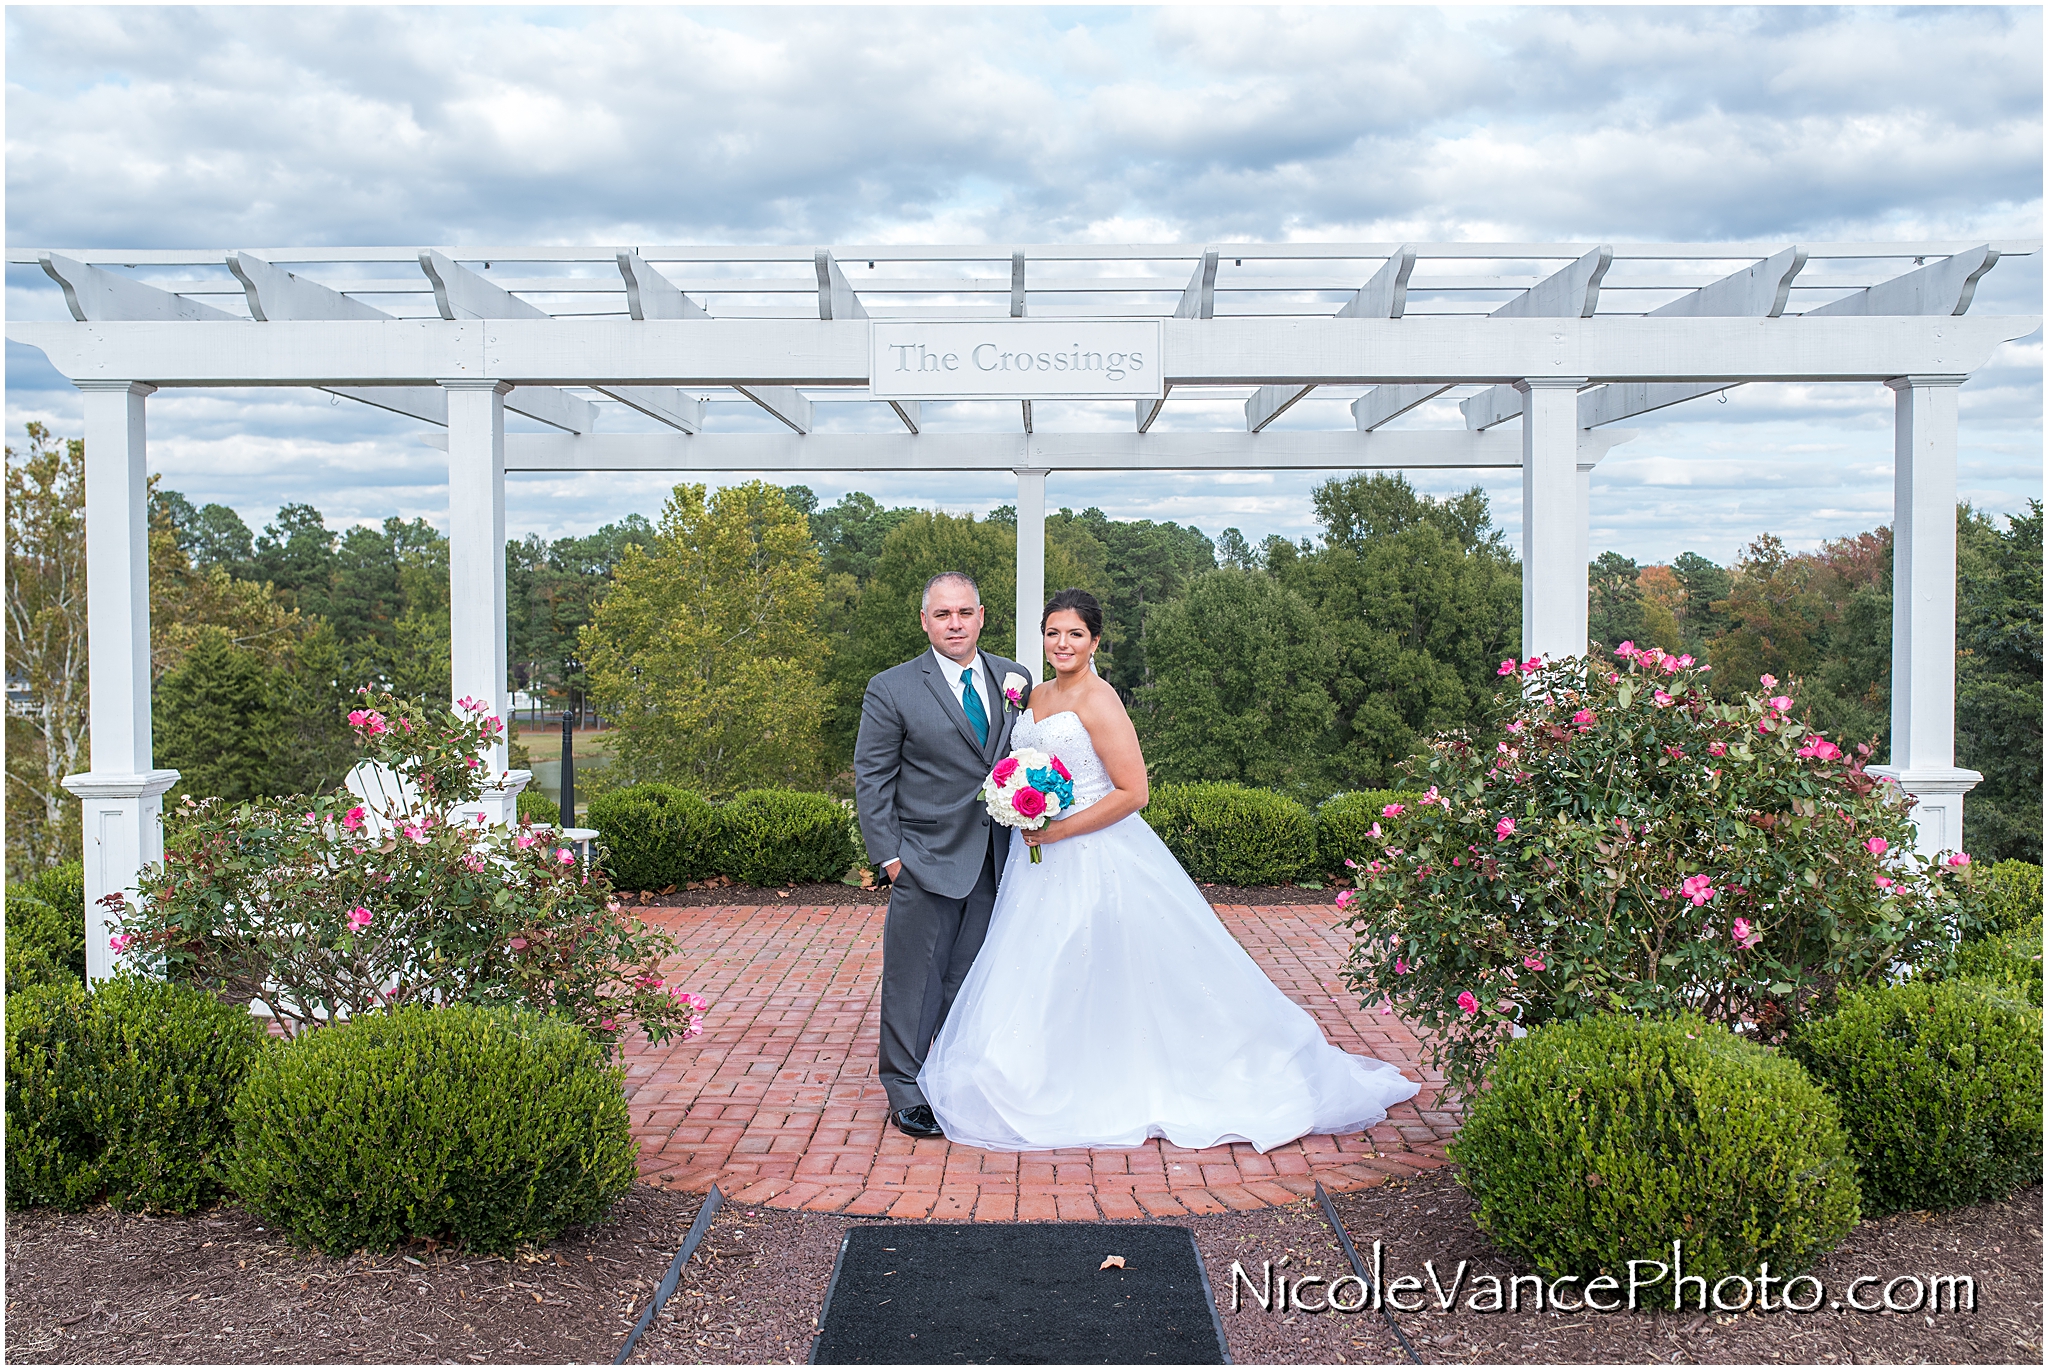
(917, 1121)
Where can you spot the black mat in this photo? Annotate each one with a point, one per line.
(1018, 1294)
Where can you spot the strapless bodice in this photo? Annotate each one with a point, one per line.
(1066, 737)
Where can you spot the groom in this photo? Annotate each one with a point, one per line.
(930, 730)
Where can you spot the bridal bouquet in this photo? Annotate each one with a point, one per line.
(1027, 789)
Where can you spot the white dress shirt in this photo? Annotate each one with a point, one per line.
(952, 671)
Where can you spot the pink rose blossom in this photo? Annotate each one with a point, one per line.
(1503, 829)
(1959, 859)
(1532, 665)
(1506, 668)
(1820, 749)
(607, 1025)
(1467, 1003)
(1533, 962)
(1373, 831)
(1747, 934)
(565, 856)
(1670, 665)
(1717, 749)
(1769, 682)
(1780, 702)
(1344, 898)
(1885, 882)
(1005, 768)
(1663, 700)
(1877, 846)
(418, 833)
(1060, 769)
(1029, 803)
(1685, 661)
(120, 942)
(472, 861)
(1400, 965)
(358, 918)
(1391, 811)
(1698, 888)
(353, 819)
(1613, 677)
(1626, 650)
(1516, 726)
(1584, 718)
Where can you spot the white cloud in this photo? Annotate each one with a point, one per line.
(252, 127)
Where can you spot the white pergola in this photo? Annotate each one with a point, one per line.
(1562, 338)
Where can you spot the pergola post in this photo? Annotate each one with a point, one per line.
(1584, 553)
(122, 792)
(1553, 560)
(1030, 568)
(1923, 744)
(476, 572)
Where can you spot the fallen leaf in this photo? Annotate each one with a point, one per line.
(1108, 1261)
(668, 889)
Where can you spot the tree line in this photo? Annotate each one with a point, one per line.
(728, 640)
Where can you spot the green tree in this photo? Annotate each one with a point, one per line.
(46, 648)
(1703, 584)
(1420, 599)
(1144, 564)
(1614, 603)
(216, 723)
(1998, 680)
(705, 654)
(1239, 669)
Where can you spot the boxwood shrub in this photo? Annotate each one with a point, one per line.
(1344, 826)
(535, 807)
(490, 1127)
(782, 837)
(2015, 896)
(123, 1094)
(654, 836)
(1939, 1086)
(1229, 834)
(1604, 1140)
(46, 928)
(2012, 959)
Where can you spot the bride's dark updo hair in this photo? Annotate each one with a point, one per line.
(1078, 602)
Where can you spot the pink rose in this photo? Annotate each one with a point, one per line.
(1685, 660)
(1885, 882)
(1060, 769)
(524, 840)
(1959, 859)
(353, 819)
(1028, 802)
(1717, 749)
(1391, 811)
(1626, 650)
(566, 857)
(1747, 934)
(1005, 768)
(1769, 682)
(1506, 668)
(1400, 965)
(1532, 665)
(1584, 718)
(1373, 831)
(1517, 726)
(607, 1025)
(1533, 962)
(1503, 829)
(1663, 700)
(358, 918)
(1780, 702)
(120, 942)
(1877, 846)
(1820, 749)
(1698, 888)
(1466, 1002)
(1344, 898)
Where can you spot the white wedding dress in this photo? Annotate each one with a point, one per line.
(1109, 1005)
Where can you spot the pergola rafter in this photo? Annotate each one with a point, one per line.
(1565, 337)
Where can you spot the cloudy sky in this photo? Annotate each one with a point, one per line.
(148, 127)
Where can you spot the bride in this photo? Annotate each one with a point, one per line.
(1108, 1004)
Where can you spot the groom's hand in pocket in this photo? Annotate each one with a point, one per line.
(892, 869)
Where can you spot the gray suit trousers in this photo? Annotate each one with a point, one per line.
(928, 943)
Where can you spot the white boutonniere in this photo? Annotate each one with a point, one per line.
(1014, 686)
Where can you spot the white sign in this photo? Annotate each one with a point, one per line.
(1017, 359)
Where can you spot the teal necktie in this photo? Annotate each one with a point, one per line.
(977, 712)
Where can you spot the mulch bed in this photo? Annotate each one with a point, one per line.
(1428, 1218)
(834, 893)
(106, 1287)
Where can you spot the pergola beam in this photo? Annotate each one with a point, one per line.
(1385, 296)
(1943, 287)
(1323, 451)
(651, 295)
(784, 402)
(94, 294)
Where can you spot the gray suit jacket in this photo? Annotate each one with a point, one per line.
(917, 772)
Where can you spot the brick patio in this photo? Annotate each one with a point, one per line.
(777, 1101)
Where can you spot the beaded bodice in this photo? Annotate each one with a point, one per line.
(1066, 737)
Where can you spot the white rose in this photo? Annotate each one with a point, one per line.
(1013, 687)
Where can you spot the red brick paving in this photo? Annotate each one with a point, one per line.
(778, 1104)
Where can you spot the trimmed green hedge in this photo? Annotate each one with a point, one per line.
(1939, 1086)
(783, 837)
(653, 836)
(1344, 826)
(2011, 959)
(46, 928)
(535, 807)
(123, 1094)
(2015, 896)
(493, 1127)
(1604, 1140)
(1230, 834)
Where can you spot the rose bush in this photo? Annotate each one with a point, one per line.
(1626, 843)
(319, 908)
